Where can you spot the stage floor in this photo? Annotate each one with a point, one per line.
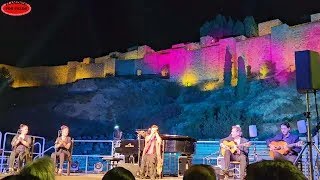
(76, 176)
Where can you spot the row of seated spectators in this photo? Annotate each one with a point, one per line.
(43, 169)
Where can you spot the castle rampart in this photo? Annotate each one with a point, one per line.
(188, 63)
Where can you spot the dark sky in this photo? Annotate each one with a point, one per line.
(62, 30)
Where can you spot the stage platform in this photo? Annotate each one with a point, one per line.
(77, 176)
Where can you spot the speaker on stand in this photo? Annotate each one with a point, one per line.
(308, 81)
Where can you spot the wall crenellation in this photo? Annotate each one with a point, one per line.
(187, 63)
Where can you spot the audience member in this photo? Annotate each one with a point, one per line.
(275, 170)
(42, 169)
(20, 177)
(118, 173)
(197, 172)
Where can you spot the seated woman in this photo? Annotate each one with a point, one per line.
(21, 144)
(62, 146)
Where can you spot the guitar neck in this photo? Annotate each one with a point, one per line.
(246, 144)
(293, 145)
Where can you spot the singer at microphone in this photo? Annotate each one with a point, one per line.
(151, 155)
(20, 147)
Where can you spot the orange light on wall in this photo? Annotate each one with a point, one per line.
(209, 86)
(165, 71)
(189, 79)
(234, 82)
(264, 71)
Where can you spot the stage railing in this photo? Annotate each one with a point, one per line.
(261, 151)
(0, 139)
(8, 150)
(85, 156)
(207, 151)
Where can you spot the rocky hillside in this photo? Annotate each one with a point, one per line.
(92, 107)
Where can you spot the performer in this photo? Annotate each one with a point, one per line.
(21, 144)
(62, 146)
(151, 163)
(241, 150)
(291, 139)
(117, 134)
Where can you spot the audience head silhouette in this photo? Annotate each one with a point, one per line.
(278, 169)
(42, 168)
(197, 172)
(21, 177)
(118, 173)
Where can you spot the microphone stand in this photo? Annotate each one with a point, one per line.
(139, 149)
(310, 142)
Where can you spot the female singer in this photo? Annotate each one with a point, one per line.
(20, 143)
(62, 146)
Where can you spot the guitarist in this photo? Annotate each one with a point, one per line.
(289, 138)
(241, 153)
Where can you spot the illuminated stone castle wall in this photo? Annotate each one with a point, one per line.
(58, 75)
(190, 63)
(277, 45)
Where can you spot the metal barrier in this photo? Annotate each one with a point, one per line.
(39, 153)
(87, 159)
(261, 150)
(93, 155)
(88, 155)
(213, 146)
(0, 138)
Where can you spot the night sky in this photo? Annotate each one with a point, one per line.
(62, 30)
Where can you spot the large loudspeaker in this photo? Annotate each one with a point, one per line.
(307, 71)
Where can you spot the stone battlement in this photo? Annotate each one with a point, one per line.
(188, 63)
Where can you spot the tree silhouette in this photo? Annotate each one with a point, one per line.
(227, 68)
(250, 27)
(241, 88)
(220, 27)
(238, 28)
(228, 28)
(5, 78)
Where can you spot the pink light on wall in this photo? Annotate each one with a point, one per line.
(207, 63)
(256, 51)
(312, 36)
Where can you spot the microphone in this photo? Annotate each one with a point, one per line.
(59, 133)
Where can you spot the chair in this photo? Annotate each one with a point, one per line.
(69, 160)
(235, 167)
(29, 156)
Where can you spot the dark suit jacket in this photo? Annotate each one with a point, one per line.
(243, 150)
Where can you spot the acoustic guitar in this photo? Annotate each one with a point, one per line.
(232, 146)
(282, 147)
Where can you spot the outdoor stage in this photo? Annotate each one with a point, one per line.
(77, 176)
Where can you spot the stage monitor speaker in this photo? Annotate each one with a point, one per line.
(133, 168)
(307, 71)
